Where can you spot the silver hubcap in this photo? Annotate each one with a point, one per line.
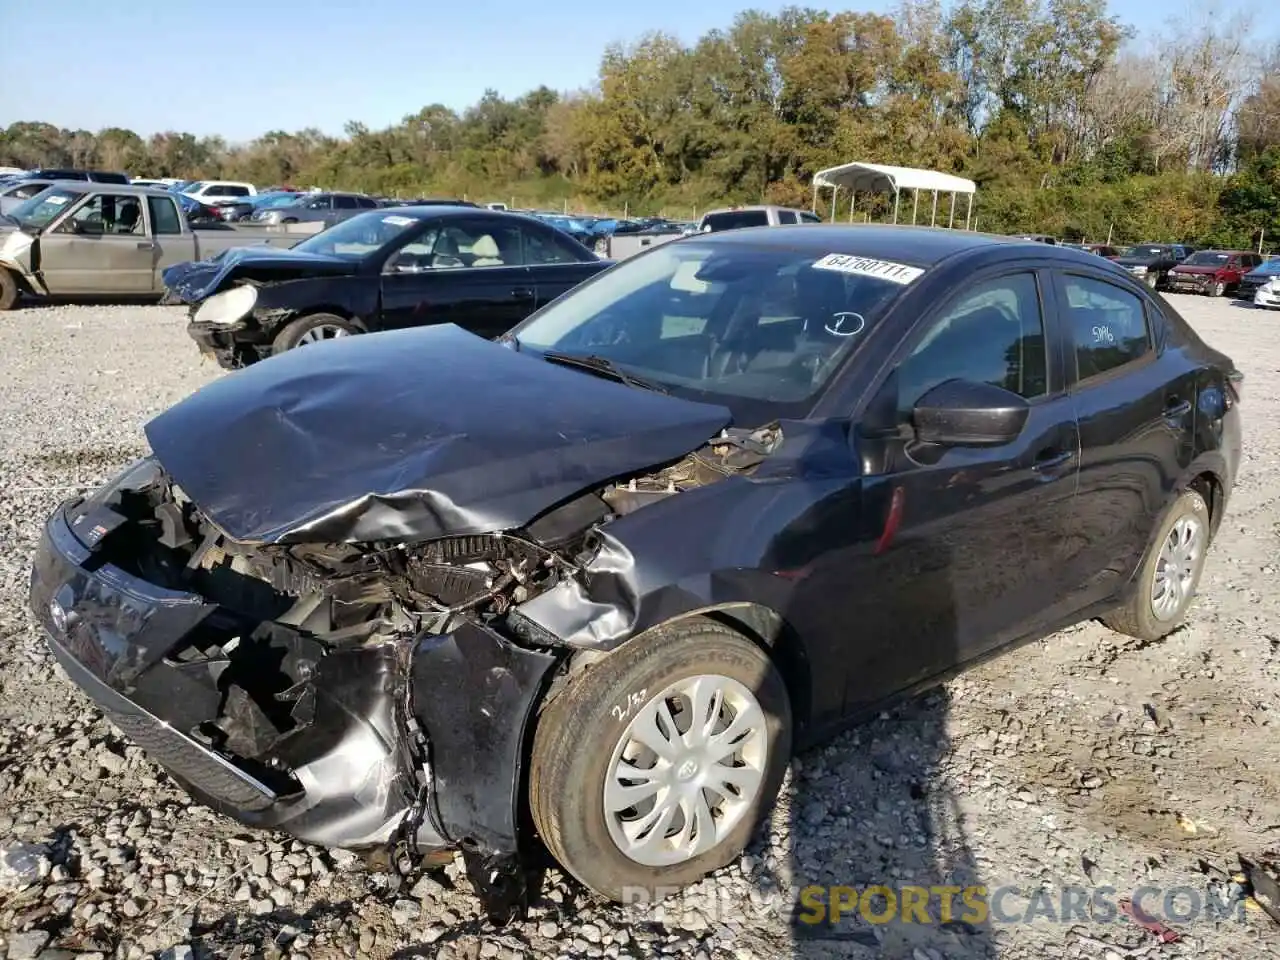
(322, 331)
(686, 770)
(1175, 570)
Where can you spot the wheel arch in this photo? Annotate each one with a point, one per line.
(764, 627)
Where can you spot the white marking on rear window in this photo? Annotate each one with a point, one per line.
(398, 221)
(869, 267)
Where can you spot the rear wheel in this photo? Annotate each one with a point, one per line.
(313, 328)
(652, 768)
(1170, 573)
(1153, 280)
(8, 290)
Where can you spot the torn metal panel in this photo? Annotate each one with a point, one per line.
(193, 281)
(356, 445)
(475, 692)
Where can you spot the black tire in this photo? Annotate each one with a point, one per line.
(1137, 618)
(1152, 280)
(288, 338)
(8, 290)
(577, 734)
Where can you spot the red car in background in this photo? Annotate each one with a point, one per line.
(1213, 272)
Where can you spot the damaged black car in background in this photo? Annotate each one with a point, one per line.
(383, 270)
(589, 585)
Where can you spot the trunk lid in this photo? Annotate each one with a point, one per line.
(409, 435)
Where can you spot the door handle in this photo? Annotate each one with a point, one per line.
(146, 245)
(1177, 408)
(522, 293)
(1050, 459)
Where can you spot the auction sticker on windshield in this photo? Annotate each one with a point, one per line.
(57, 201)
(869, 267)
(398, 221)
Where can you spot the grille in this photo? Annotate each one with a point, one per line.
(189, 762)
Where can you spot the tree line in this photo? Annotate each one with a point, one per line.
(1070, 122)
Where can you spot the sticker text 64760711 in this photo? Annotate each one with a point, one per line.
(869, 267)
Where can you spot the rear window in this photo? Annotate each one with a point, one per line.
(734, 219)
(164, 216)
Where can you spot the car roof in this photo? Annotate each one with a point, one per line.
(119, 189)
(920, 246)
(448, 211)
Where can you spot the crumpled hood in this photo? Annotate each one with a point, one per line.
(409, 435)
(1197, 270)
(194, 280)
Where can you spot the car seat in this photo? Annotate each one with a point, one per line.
(486, 253)
(129, 218)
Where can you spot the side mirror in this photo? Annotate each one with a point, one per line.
(962, 413)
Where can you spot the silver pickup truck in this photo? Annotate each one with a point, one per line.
(82, 239)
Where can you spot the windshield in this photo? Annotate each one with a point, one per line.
(275, 200)
(752, 328)
(356, 238)
(1207, 258)
(44, 206)
(1148, 251)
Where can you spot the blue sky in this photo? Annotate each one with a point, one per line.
(242, 67)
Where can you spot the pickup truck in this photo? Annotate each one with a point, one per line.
(80, 238)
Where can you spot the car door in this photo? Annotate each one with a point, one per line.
(99, 246)
(467, 271)
(1135, 405)
(554, 264)
(344, 206)
(171, 244)
(961, 546)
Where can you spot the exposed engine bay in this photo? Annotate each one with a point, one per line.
(366, 695)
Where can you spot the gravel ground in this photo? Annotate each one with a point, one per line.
(1086, 760)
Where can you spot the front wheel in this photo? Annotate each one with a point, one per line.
(8, 290)
(1218, 289)
(312, 329)
(1153, 280)
(1170, 573)
(653, 767)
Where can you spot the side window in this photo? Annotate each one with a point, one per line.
(164, 216)
(809, 218)
(237, 191)
(786, 216)
(345, 203)
(106, 214)
(994, 333)
(416, 255)
(540, 248)
(320, 203)
(1107, 324)
(367, 203)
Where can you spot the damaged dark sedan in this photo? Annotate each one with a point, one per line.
(585, 588)
(382, 270)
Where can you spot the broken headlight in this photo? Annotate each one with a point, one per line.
(230, 306)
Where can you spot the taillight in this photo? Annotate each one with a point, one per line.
(1235, 386)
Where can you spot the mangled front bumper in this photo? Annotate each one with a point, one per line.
(420, 744)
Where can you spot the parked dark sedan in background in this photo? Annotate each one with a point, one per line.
(244, 208)
(384, 269)
(602, 575)
(1212, 272)
(1257, 278)
(328, 208)
(1151, 262)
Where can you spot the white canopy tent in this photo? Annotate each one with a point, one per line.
(881, 178)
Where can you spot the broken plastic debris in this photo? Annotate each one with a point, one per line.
(1163, 933)
(23, 864)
